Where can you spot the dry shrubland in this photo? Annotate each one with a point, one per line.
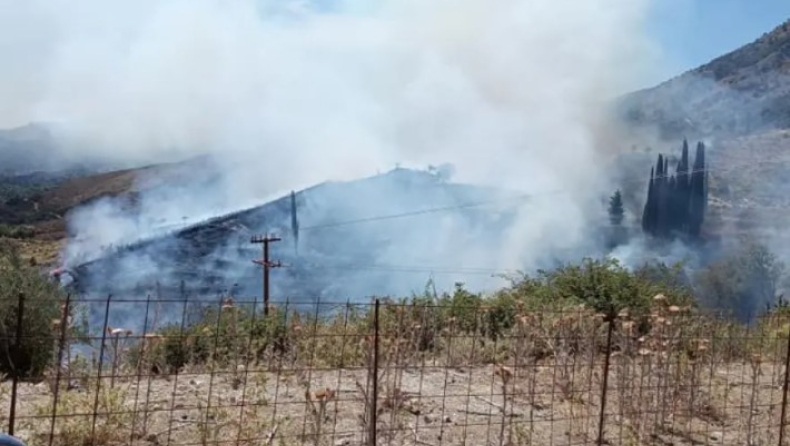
(524, 366)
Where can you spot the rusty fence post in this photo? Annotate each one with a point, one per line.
(18, 347)
(64, 326)
(375, 383)
(605, 385)
(105, 326)
(783, 419)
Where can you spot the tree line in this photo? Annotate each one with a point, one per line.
(676, 204)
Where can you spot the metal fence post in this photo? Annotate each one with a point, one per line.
(18, 347)
(374, 404)
(784, 392)
(605, 385)
(64, 326)
(105, 326)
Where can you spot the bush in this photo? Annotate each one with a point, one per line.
(570, 299)
(42, 305)
(232, 333)
(745, 283)
(17, 231)
(604, 285)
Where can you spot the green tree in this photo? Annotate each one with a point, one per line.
(745, 282)
(676, 204)
(616, 210)
(698, 190)
(648, 215)
(42, 306)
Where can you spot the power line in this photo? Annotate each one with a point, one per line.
(423, 211)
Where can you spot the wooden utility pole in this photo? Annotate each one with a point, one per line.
(266, 264)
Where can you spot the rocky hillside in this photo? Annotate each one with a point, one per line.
(740, 93)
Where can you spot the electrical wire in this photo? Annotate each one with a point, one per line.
(457, 270)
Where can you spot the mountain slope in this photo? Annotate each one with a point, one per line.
(740, 93)
(26, 149)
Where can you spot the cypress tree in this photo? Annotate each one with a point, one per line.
(647, 213)
(661, 217)
(658, 191)
(672, 201)
(677, 203)
(698, 194)
(616, 210)
(683, 188)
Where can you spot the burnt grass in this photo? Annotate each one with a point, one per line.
(215, 257)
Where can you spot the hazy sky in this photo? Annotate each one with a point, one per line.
(693, 32)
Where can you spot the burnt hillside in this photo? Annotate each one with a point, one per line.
(354, 239)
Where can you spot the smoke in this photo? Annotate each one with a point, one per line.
(285, 94)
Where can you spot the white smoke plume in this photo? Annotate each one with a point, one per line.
(284, 94)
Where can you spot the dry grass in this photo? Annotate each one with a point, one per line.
(45, 252)
(688, 379)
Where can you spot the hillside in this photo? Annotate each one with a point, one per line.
(34, 207)
(347, 260)
(739, 105)
(743, 92)
(24, 149)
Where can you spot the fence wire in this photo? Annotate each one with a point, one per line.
(399, 373)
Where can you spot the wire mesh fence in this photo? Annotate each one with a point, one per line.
(399, 373)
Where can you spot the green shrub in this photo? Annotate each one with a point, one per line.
(42, 306)
(232, 333)
(562, 299)
(463, 307)
(746, 282)
(17, 231)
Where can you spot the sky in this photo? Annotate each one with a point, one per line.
(692, 32)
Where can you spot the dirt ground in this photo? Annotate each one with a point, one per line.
(432, 405)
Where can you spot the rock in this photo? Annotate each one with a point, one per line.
(427, 419)
(716, 436)
(343, 442)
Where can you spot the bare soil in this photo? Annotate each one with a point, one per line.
(434, 405)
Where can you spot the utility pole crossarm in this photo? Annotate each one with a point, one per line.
(266, 264)
(258, 239)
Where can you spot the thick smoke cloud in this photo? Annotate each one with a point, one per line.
(284, 94)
